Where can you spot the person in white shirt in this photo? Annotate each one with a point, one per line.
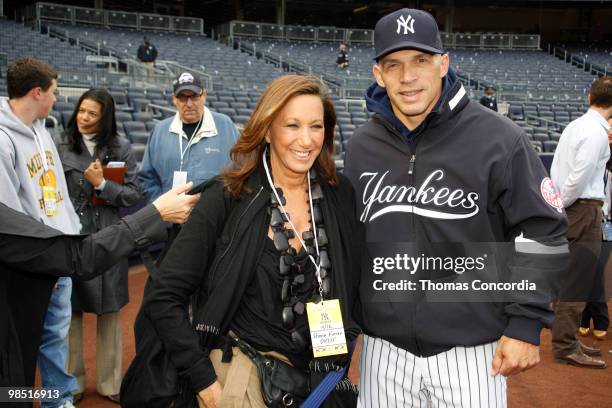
(578, 170)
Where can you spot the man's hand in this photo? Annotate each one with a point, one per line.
(175, 206)
(94, 174)
(211, 395)
(513, 356)
(353, 369)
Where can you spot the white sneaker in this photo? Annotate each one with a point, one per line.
(67, 404)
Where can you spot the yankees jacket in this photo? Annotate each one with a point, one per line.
(465, 175)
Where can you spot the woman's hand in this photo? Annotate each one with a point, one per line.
(211, 395)
(94, 174)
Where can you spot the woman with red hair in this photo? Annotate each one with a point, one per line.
(275, 234)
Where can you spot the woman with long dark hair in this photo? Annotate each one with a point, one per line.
(271, 237)
(89, 143)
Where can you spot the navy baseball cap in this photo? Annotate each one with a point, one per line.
(188, 82)
(407, 29)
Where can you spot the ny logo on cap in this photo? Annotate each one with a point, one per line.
(403, 22)
(185, 77)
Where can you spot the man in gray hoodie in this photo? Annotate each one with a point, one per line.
(32, 181)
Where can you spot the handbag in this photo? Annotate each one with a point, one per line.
(281, 384)
(152, 380)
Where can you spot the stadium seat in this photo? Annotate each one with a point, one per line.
(150, 125)
(63, 106)
(138, 150)
(123, 116)
(143, 116)
(140, 104)
(120, 99)
(138, 136)
(549, 146)
(516, 112)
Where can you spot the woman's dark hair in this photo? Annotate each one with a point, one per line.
(107, 133)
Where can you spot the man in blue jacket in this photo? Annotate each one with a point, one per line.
(437, 174)
(193, 145)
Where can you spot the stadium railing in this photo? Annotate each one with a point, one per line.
(236, 28)
(41, 11)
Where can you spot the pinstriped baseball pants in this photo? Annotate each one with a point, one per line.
(460, 377)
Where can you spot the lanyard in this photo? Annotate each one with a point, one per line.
(314, 226)
(41, 151)
(184, 152)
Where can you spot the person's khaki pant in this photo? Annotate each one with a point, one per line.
(149, 69)
(109, 353)
(584, 236)
(239, 379)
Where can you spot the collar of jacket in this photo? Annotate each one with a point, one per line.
(208, 128)
(454, 98)
(73, 160)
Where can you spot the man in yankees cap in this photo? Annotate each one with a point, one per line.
(193, 145)
(433, 167)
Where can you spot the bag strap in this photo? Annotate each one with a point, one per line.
(245, 347)
(325, 387)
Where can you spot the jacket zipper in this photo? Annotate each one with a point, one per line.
(411, 165)
(234, 234)
(411, 177)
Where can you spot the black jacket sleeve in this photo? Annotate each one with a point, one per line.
(541, 251)
(81, 257)
(140, 52)
(179, 277)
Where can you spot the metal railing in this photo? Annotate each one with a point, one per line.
(110, 18)
(336, 84)
(173, 69)
(160, 110)
(245, 29)
(132, 71)
(535, 120)
(579, 61)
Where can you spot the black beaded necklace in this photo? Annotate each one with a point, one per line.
(291, 271)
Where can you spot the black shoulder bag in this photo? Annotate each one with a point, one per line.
(281, 384)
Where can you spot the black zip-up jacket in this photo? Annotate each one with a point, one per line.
(465, 175)
(215, 256)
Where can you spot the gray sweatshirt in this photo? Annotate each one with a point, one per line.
(22, 170)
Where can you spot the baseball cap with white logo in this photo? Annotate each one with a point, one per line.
(407, 29)
(188, 82)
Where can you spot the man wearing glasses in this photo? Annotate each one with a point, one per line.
(193, 145)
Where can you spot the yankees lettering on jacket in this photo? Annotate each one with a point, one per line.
(433, 198)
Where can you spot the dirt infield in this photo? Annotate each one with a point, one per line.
(548, 385)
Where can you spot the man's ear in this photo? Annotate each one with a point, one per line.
(377, 72)
(444, 65)
(35, 92)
